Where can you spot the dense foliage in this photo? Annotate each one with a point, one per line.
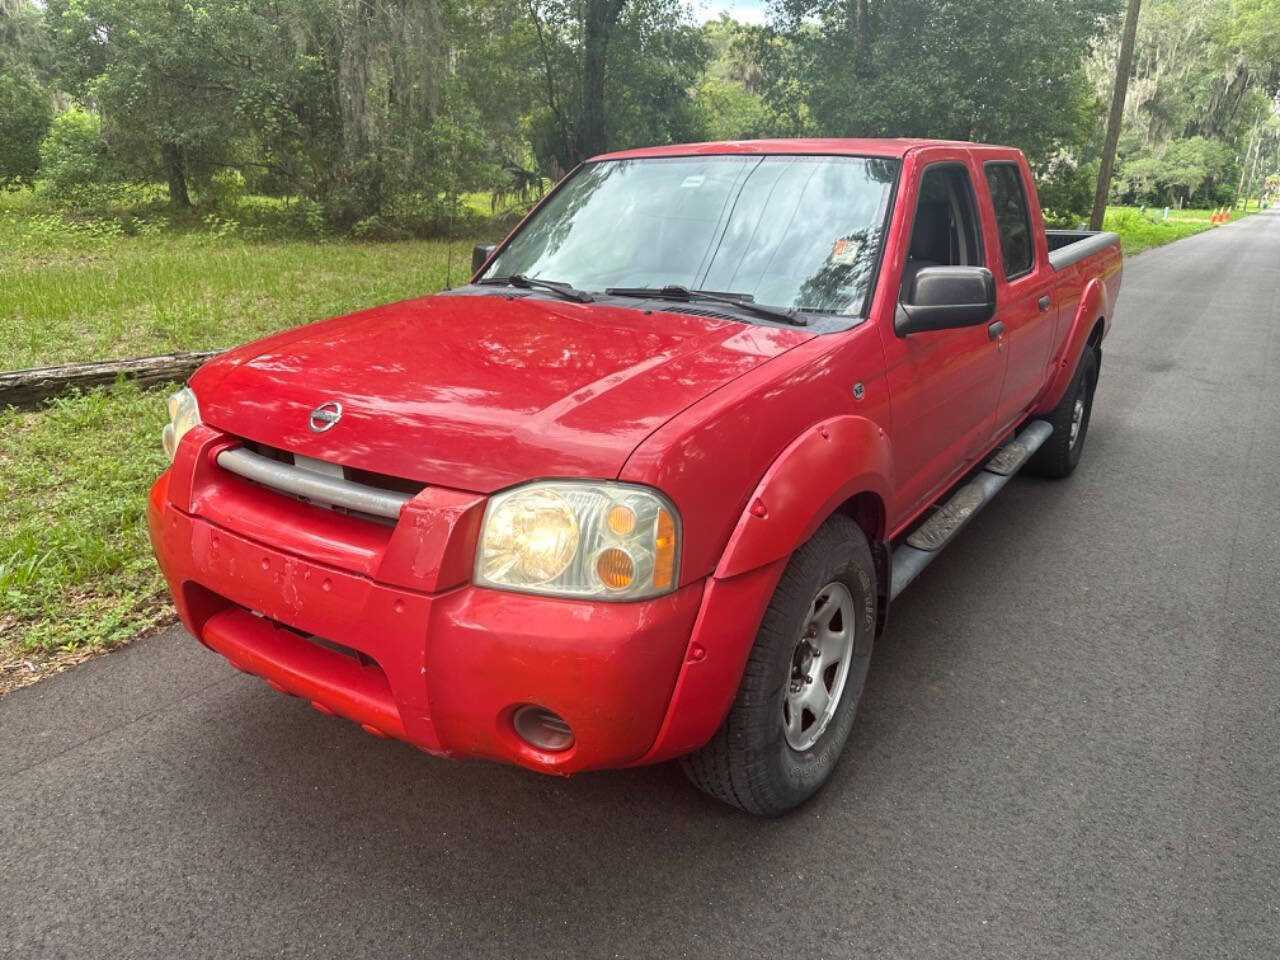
(25, 116)
(377, 116)
(1200, 121)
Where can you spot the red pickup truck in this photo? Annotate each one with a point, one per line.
(644, 487)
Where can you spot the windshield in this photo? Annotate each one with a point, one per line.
(796, 232)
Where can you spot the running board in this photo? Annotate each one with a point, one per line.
(936, 532)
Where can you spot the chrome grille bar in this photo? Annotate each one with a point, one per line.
(299, 482)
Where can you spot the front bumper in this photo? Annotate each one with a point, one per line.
(383, 631)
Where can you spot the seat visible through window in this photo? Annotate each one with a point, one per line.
(944, 231)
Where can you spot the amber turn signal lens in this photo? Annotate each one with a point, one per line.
(615, 569)
(621, 520)
(664, 559)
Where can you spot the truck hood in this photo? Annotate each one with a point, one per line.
(480, 392)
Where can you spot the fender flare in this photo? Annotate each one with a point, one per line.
(1093, 304)
(821, 469)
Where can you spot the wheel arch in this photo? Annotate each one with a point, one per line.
(837, 466)
(842, 464)
(1094, 342)
(1088, 327)
(870, 512)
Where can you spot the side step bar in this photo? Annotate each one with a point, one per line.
(935, 533)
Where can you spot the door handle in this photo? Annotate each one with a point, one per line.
(1043, 303)
(995, 330)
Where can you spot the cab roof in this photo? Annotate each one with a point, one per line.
(867, 147)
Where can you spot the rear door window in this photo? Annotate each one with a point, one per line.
(1013, 218)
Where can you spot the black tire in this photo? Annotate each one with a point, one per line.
(750, 763)
(1060, 453)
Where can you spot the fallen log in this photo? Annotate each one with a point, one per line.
(26, 388)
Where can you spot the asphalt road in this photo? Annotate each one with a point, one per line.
(1069, 745)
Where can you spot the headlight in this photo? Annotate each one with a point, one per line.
(184, 414)
(606, 541)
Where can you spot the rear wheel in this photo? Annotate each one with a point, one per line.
(1061, 452)
(800, 690)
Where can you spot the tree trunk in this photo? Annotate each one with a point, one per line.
(600, 18)
(1244, 167)
(175, 170)
(860, 26)
(564, 135)
(1124, 65)
(26, 388)
(1257, 156)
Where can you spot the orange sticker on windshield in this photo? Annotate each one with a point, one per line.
(845, 252)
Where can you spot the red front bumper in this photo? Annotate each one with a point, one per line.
(279, 587)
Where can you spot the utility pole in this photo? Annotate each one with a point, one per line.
(1123, 67)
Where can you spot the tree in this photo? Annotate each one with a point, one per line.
(626, 81)
(26, 108)
(1195, 171)
(73, 159)
(24, 41)
(25, 116)
(988, 70)
(599, 20)
(337, 100)
(161, 74)
(1205, 73)
(984, 70)
(729, 101)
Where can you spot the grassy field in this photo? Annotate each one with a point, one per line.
(76, 573)
(105, 288)
(1140, 230)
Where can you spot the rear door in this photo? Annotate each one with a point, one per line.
(943, 384)
(1024, 282)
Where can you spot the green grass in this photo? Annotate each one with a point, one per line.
(105, 288)
(1141, 230)
(75, 564)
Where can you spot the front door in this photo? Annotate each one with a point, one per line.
(943, 384)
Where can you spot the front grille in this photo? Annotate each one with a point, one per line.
(361, 493)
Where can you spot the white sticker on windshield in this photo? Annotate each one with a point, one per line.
(693, 182)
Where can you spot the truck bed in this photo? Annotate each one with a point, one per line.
(1071, 246)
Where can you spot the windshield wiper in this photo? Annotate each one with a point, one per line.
(741, 300)
(552, 286)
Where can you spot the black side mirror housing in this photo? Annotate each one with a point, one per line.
(480, 253)
(942, 298)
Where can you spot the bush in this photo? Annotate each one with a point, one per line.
(25, 116)
(222, 190)
(1195, 172)
(74, 165)
(1066, 191)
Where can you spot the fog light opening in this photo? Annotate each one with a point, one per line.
(542, 729)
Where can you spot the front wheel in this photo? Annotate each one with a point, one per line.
(803, 680)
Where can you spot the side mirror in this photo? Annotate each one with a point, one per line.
(479, 254)
(940, 298)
